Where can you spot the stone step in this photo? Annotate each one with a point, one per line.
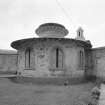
(49, 80)
(6, 76)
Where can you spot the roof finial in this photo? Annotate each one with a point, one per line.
(80, 35)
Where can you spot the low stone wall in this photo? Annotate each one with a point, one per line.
(8, 61)
(98, 57)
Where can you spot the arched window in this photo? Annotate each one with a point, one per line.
(57, 58)
(29, 59)
(79, 33)
(81, 56)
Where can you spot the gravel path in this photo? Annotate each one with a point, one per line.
(102, 96)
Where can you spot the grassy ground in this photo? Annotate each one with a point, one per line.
(28, 94)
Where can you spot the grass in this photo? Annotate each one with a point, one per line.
(30, 94)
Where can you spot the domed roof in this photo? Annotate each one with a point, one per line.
(53, 30)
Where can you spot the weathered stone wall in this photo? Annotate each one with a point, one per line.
(72, 61)
(98, 58)
(88, 63)
(8, 61)
(42, 56)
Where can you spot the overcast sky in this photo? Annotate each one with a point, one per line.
(20, 18)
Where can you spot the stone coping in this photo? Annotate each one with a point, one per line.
(3, 51)
(99, 48)
(51, 24)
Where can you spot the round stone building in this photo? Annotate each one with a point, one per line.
(53, 55)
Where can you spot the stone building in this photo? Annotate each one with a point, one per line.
(53, 55)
